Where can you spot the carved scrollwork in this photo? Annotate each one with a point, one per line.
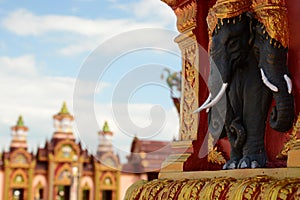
(190, 92)
(248, 188)
(186, 16)
(214, 156)
(273, 14)
(291, 142)
(258, 187)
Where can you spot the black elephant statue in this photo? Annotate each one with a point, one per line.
(252, 70)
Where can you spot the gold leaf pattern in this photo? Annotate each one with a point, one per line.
(259, 187)
(291, 142)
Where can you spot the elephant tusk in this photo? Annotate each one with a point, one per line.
(204, 104)
(267, 82)
(213, 102)
(289, 83)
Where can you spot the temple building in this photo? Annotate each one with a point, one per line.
(63, 169)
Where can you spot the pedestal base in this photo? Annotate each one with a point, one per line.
(280, 183)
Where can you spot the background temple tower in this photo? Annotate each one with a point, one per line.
(105, 140)
(17, 165)
(63, 124)
(19, 135)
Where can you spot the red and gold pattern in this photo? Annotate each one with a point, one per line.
(226, 9)
(271, 13)
(259, 187)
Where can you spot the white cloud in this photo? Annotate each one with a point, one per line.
(88, 33)
(150, 10)
(24, 23)
(24, 65)
(25, 91)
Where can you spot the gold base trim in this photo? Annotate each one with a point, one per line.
(282, 183)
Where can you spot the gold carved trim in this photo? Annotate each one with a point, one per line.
(23, 183)
(112, 177)
(22, 152)
(58, 151)
(273, 15)
(214, 156)
(61, 178)
(259, 187)
(226, 9)
(186, 16)
(189, 121)
(291, 142)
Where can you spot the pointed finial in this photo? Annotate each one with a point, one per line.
(64, 109)
(105, 127)
(20, 121)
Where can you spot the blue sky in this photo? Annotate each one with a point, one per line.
(45, 46)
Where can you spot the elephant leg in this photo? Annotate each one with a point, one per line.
(237, 133)
(236, 136)
(257, 99)
(234, 128)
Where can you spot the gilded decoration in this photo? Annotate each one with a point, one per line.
(226, 9)
(259, 187)
(66, 150)
(20, 158)
(63, 175)
(19, 179)
(186, 16)
(291, 142)
(108, 181)
(271, 13)
(214, 156)
(189, 123)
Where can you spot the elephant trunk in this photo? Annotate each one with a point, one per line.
(282, 115)
(275, 75)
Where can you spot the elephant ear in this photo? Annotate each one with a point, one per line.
(217, 113)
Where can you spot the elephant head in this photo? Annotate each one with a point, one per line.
(230, 45)
(272, 63)
(232, 40)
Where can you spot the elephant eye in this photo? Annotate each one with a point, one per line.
(232, 43)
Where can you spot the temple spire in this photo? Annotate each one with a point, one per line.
(64, 109)
(105, 140)
(63, 121)
(19, 134)
(20, 121)
(105, 127)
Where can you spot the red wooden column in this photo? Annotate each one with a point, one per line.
(193, 42)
